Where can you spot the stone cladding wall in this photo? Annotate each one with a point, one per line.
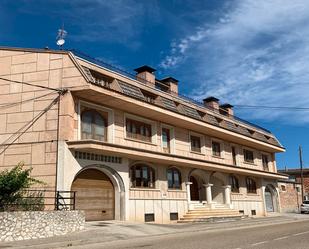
(39, 224)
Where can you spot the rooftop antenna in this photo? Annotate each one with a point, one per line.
(60, 37)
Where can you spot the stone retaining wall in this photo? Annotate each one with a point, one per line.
(39, 224)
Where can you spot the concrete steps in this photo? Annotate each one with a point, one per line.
(204, 214)
(211, 219)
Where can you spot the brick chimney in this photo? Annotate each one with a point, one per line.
(145, 74)
(172, 84)
(212, 103)
(227, 109)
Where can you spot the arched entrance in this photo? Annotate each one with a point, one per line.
(194, 189)
(270, 199)
(95, 194)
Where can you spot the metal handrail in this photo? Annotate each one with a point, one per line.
(36, 199)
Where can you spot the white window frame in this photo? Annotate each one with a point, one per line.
(110, 119)
(144, 120)
(172, 137)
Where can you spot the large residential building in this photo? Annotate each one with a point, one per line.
(130, 146)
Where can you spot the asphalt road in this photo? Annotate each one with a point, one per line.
(284, 236)
(287, 231)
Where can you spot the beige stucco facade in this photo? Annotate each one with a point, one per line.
(46, 135)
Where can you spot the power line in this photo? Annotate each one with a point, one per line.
(7, 105)
(26, 127)
(30, 84)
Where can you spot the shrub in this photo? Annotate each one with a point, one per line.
(13, 186)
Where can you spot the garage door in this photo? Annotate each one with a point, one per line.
(95, 195)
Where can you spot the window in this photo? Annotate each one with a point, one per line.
(234, 155)
(173, 216)
(251, 185)
(149, 217)
(234, 184)
(93, 125)
(142, 176)
(265, 162)
(248, 156)
(216, 150)
(138, 130)
(195, 143)
(166, 140)
(173, 178)
(283, 188)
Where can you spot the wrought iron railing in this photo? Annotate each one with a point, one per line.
(38, 200)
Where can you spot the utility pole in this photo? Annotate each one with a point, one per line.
(301, 173)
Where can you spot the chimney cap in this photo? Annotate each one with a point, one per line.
(145, 68)
(209, 99)
(226, 105)
(169, 79)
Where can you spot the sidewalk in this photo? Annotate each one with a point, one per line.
(108, 231)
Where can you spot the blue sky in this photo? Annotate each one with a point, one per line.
(243, 52)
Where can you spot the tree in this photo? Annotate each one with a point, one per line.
(13, 183)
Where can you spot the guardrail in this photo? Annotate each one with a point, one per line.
(41, 199)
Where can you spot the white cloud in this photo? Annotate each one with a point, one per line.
(256, 54)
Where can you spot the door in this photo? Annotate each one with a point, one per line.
(269, 200)
(194, 192)
(166, 140)
(95, 195)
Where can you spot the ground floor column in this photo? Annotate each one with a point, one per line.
(208, 192)
(227, 194)
(188, 184)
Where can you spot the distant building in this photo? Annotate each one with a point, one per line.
(290, 195)
(131, 147)
(295, 175)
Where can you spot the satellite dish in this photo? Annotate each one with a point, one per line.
(60, 37)
(60, 42)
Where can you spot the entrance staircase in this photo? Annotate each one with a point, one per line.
(210, 213)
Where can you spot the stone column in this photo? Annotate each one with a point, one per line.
(188, 193)
(208, 192)
(227, 194)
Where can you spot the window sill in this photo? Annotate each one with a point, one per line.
(89, 139)
(197, 153)
(139, 141)
(146, 189)
(166, 152)
(250, 163)
(176, 190)
(218, 157)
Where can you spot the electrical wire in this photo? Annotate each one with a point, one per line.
(7, 105)
(30, 84)
(26, 127)
(273, 107)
